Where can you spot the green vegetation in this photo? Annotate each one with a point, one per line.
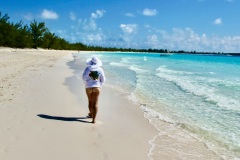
(37, 35)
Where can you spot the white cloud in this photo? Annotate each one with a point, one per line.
(149, 12)
(95, 37)
(152, 40)
(128, 28)
(186, 39)
(46, 14)
(217, 21)
(62, 33)
(98, 14)
(98, 38)
(147, 26)
(72, 16)
(87, 31)
(129, 15)
(129, 31)
(88, 24)
(28, 16)
(180, 39)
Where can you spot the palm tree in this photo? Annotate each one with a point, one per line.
(37, 31)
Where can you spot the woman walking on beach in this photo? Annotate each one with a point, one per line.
(94, 77)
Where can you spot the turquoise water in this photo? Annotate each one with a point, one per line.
(199, 93)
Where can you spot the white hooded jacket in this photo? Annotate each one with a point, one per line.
(90, 81)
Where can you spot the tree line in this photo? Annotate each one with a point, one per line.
(36, 35)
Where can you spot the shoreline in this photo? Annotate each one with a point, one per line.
(46, 118)
(177, 137)
(43, 109)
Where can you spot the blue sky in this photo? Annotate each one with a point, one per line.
(200, 25)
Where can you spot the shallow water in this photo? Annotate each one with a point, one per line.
(198, 94)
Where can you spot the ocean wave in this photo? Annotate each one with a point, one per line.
(156, 115)
(145, 58)
(163, 69)
(137, 69)
(118, 64)
(206, 136)
(198, 86)
(126, 60)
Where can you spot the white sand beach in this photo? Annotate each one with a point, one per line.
(41, 116)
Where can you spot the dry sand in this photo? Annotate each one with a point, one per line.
(43, 110)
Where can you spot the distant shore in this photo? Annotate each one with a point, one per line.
(157, 51)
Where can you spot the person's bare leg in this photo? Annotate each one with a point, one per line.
(90, 102)
(95, 95)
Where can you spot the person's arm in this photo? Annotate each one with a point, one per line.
(85, 74)
(102, 77)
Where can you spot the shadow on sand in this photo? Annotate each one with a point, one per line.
(69, 119)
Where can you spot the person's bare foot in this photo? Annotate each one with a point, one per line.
(89, 115)
(93, 121)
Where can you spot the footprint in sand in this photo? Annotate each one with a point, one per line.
(8, 128)
(93, 129)
(42, 129)
(94, 144)
(13, 115)
(14, 138)
(4, 150)
(105, 156)
(99, 135)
